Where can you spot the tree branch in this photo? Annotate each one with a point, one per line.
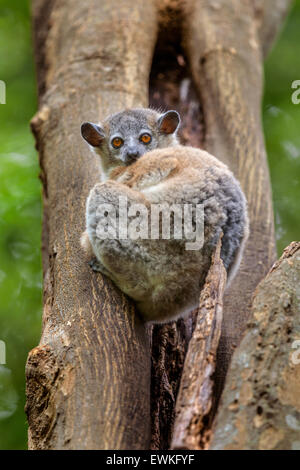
(196, 387)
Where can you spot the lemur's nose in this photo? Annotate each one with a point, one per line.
(132, 154)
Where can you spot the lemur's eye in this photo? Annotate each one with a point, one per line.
(146, 138)
(117, 142)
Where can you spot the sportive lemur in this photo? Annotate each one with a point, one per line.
(142, 160)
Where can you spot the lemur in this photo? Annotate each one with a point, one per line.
(142, 160)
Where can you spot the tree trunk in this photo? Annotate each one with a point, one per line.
(260, 407)
(88, 381)
(226, 58)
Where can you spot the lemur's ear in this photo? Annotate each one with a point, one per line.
(92, 133)
(169, 122)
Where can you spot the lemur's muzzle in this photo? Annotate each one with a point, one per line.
(132, 156)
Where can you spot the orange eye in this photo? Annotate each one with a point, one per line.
(117, 142)
(146, 138)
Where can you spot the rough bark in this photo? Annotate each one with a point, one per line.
(269, 15)
(88, 381)
(195, 393)
(227, 65)
(260, 406)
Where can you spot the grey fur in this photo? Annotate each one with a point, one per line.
(162, 277)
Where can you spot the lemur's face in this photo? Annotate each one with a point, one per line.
(126, 136)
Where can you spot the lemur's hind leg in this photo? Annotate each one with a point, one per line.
(88, 249)
(103, 223)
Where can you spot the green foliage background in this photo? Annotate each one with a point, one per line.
(20, 192)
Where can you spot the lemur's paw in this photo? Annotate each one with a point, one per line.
(97, 267)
